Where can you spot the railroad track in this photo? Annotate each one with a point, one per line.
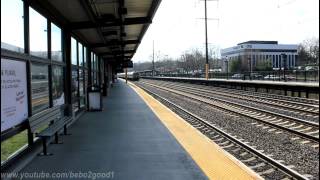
(305, 131)
(262, 164)
(294, 107)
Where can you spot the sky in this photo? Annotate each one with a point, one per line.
(178, 25)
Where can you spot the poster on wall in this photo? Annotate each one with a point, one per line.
(14, 101)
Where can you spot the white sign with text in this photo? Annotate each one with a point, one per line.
(14, 101)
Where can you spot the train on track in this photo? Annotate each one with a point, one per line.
(132, 76)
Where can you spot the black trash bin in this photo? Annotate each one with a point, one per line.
(94, 98)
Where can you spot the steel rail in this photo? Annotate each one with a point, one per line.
(306, 136)
(254, 99)
(267, 159)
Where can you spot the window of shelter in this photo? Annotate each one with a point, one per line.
(57, 85)
(39, 87)
(38, 34)
(12, 34)
(56, 49)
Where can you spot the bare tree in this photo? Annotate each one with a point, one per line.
(308, 52)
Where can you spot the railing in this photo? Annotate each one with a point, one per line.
(278, 75)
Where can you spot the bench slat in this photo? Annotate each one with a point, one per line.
(46, 111)
(56, 126)
(43, 121)
(45, 117)
(42, 116)
(52, 129)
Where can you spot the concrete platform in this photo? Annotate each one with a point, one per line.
(239, 81)
(124, 141)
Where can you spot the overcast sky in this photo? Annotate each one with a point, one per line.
(179, 24)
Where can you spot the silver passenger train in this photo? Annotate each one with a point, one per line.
(132, 76)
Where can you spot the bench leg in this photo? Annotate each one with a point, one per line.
(44, 143)
(65, 132)
(56, 139)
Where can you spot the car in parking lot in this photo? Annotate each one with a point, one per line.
(290, 78)
(271, 77)
(237, 76)
(256, 76)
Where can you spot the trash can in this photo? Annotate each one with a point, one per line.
(94, 98)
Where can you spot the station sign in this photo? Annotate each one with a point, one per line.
(127, 64)
(14, 101)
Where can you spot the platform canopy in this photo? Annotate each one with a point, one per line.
(111, 28)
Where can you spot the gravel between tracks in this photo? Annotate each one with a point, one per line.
(302, 156)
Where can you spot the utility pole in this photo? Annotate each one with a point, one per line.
(227, 66)
(206, 35)
(250, 63)
(153, 58)
(205, 22)
(284, 64)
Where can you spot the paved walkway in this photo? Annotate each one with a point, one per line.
(124, 141)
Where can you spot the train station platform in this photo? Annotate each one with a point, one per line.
(127, 140)
(310, 89)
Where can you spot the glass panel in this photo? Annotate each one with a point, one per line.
(97, 70)
(81, 88)
(92, 68)
(56, 50)
(73, 51)
(93, 62)
(85, 56)
(75, 88)
(92, 78)
(81, 92)
(75, 83)
(40, 87)
(82, 101)
(75, 106)
(95, 78)
(57, 85)
(85, 80)
(12, 34)
(102, 72)
(38, 34)
(80, 54)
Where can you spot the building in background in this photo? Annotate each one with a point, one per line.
(259, 55)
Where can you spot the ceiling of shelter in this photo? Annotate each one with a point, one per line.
(111, 28)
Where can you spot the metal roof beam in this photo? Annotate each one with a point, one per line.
(85, 4)
(118, 52)
(127, 21)
(110, 33)
(114, 43)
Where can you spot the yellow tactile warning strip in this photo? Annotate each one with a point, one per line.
(214, 161)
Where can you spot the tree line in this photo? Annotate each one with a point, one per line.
(194, 60)
(190, 61)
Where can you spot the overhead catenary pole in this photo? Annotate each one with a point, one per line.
(153, 58)
(205, 22)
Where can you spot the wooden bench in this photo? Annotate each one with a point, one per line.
(54, 119)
